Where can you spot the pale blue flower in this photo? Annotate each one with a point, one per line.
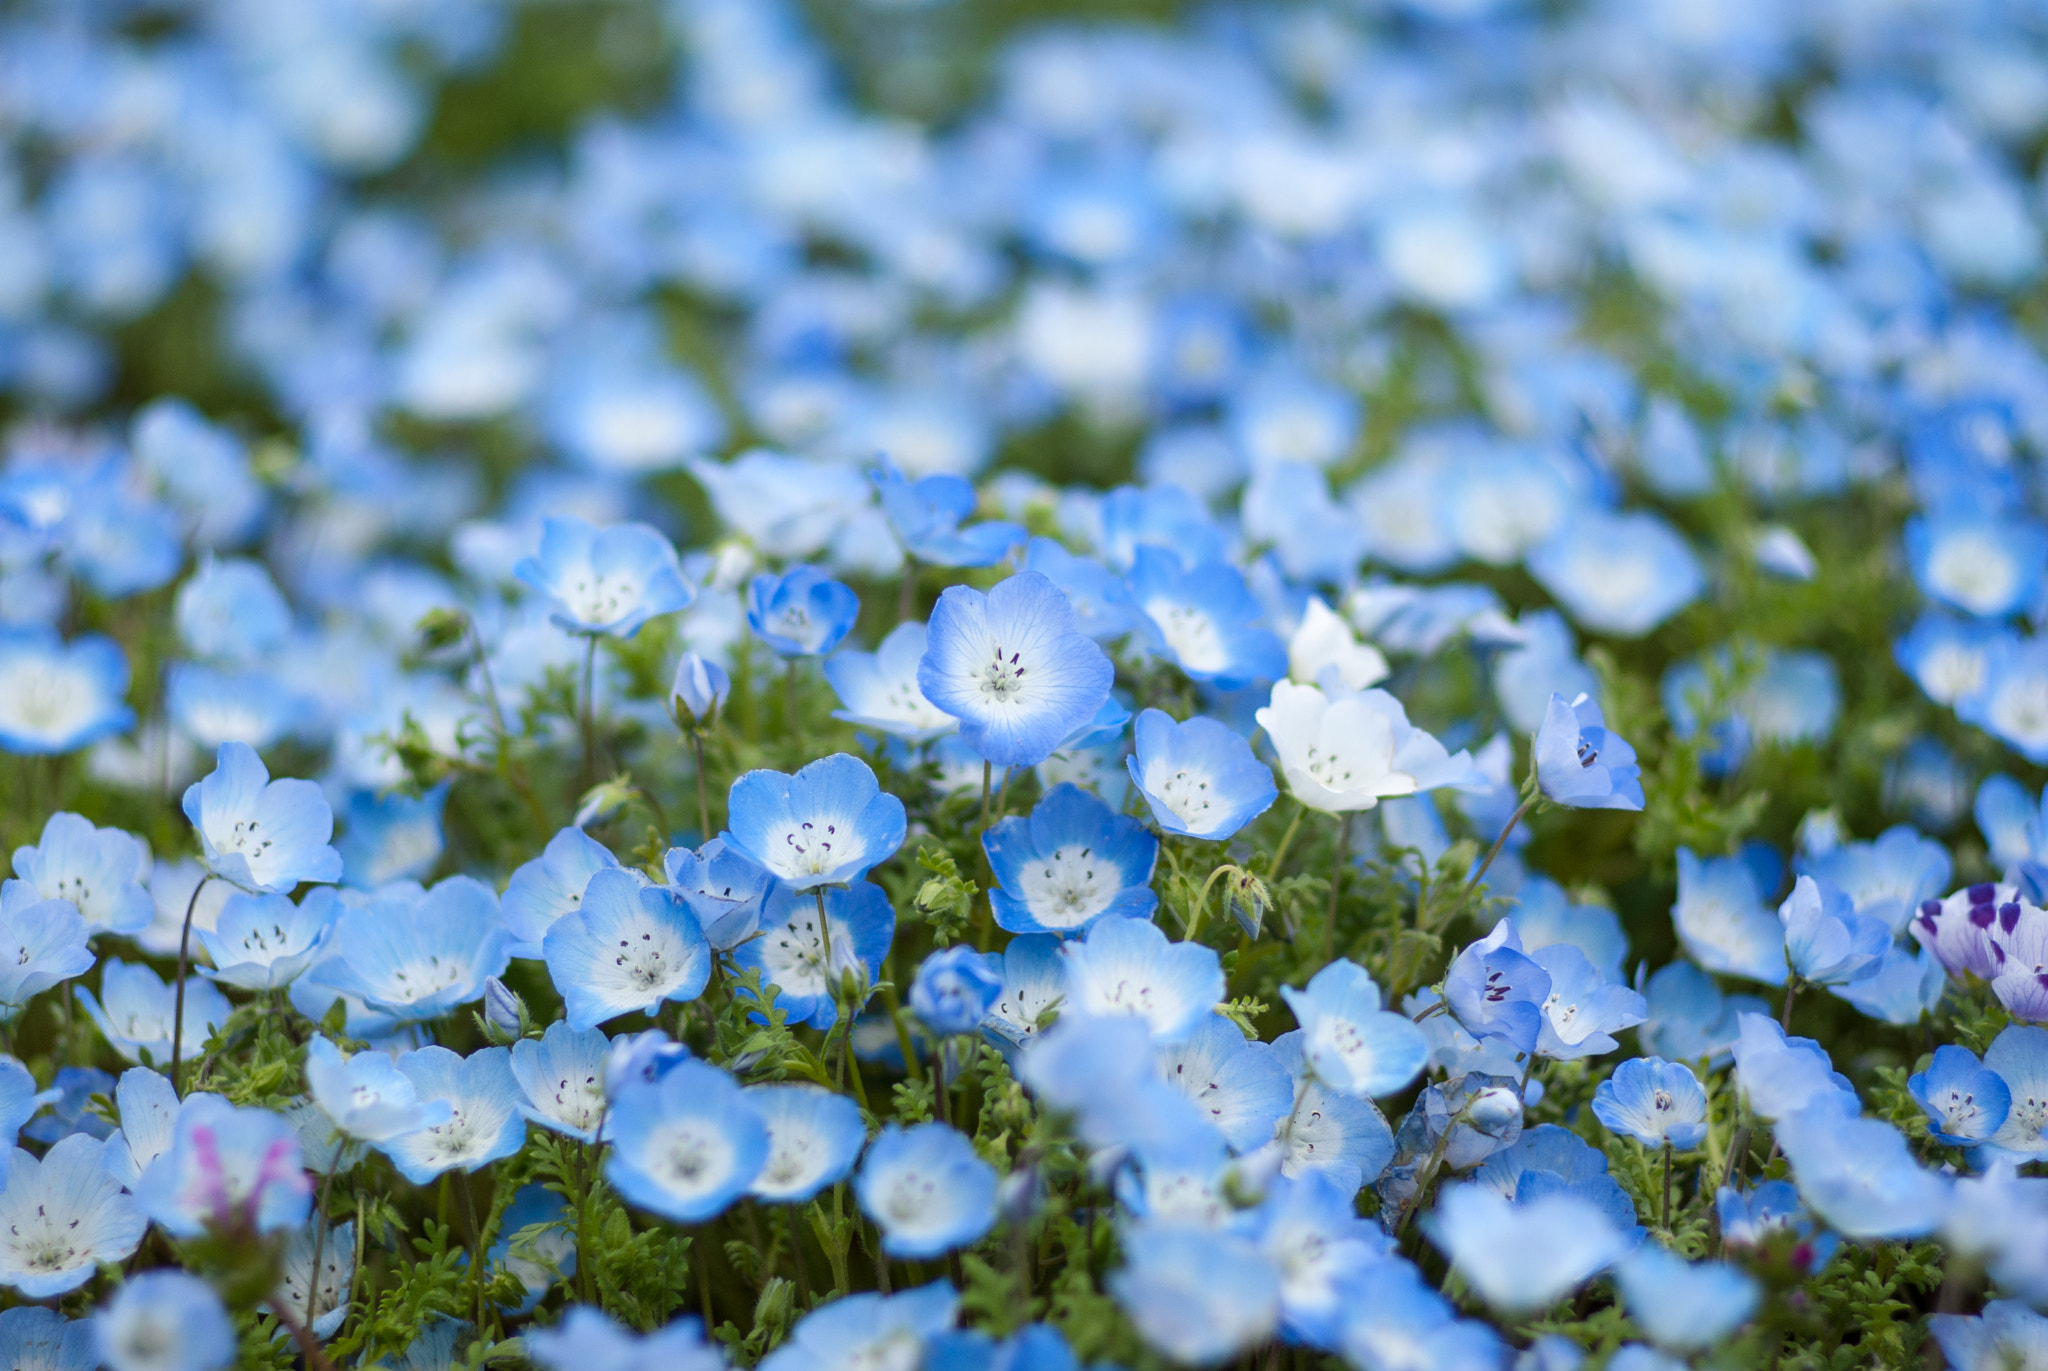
(264, 942)
(1396, 1322)
(392, 837)
(103, 872)
(1721, 919)
(1343, 1135)
(879, 689)
(1309, 1230)
(826, 825)
(2004, 703)
(226, 1169)
(1544, 916)
(536, 1243)
(56, 697)
(1781, 1075)
(135, 1010)
(1100, 1070)
(61, 1216)
(588, 1340)
(1496, 990)
(1549, 1160)
(700, 688)
(2019, 1054)
(1887, 879)
(1583, 1009)
(605, 581)
(1521, 1257)
(230, 610)
(484, 1120)
(418, 956)
(926, 1189)
(262, 835)
(955, 988)
(1352, 1044)
(926, 517)
(215, 706)
(1988, 566)
(1966, 1102)
(863, 1331)
(1686, 1016)
(813, 1138)
(1948, 657)
(1618, 573)
(1072, 861)
(629, 946)
(37, 1339)
(1195, 1297)
(1655, 1102)
(365, 1094)
(1239, 1084)
(1034, 987)
(1684, 1306)
(1580, 764)
(164, 1311)
(551, 885)
(561, 1078)
(802, 613)
(723, 887)
(1098, 596)
(1204, 619)
(686, 1146)
(1905, 987)
(2006, 1334)
(1199, 778)
(1826, 941)
(1544, 662)
(42, 942)
(70, 1099)
(793, 955)
(1858, 1173)
(1127, 966)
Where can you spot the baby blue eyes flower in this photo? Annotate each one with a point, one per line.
(262, 835)
(686, 1146)
(63, 1215)
(1683, 1306)
(1655, 1102)
(807, 963)
(56, 697)
(927, 1190)
(1350, 751)
(102, 871)
(1127, 966)
(1198, 1298)
(1583, 1009)
(365, 1094)
(561, 1079)
(926, 517)
(955, 988)
(628, 947)
(226, 1169)
(1013, 668)
(1521, 1257)
(1722, 921)
(1072, 861)
(700, 689)
(1887, 879)
(135, 1009)
(1348, 1040)
(1205, 620)
(418, 956)
(1966, 1103)
(1983, 565)
(483, 1119)
(725, 890)
(1579, 763)
(230, 610)
(588, 1340)
(1622, 574)
(879, 689)
(2006, 1334)
(165, 1321)
(1826, 940)
(605, 581)
(867, 1331)
(1496, 990)
(264, 942)
(826, 825)
(42, 942)
(813, 1138)
(33, 1338)
(1241, 1086)
(802, 613)
(1199, 778)
(550, 886)
(1858, 1174)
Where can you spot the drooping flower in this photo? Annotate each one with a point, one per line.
(102, 872)
(262, 835)
(954, 989)
(1496, 990)
(1199, 778)
(605, 581)
(802, 613)
(1352, 751)
(826, 825)
(927, 1190)
(686, 1146)
(1826, 941)
(628, 946)
(1579, 763)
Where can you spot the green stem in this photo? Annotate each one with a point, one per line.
(1286, 840)
(895, 1007)
(1791, 990)
(590, 712)
(184, 959)
(1201, 905)
(1501, 841)
(703, 792)
(1336, 879)
(319, 1238)
(1667, 1185)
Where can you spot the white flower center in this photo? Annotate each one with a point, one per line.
(1069, 887)
(595, 598)
(1002, 677)
(1192, 634)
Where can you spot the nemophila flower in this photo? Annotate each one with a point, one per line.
(1196, 1297)
(418, 956)
(366, 1095)
(230, 610)
(628, 946)
(226, 1169)
(879, 689)
(1996, 1217)
(1655, 1102)
(1947, 657)
(392, 837)
(536, 1244)
(1239, 1085)
(1319, 1246)
(1199, 778)
(1684, 1306)
(551, 885)
(484, 1120)
(813, 1138)
(1619, 573)
(1034, 987)
(610, 580)
(61, 1216)
(1986, 566)
(2013, 822)
(1966, 1102)
(2006, 1334)
(213, 706)
(1580, 764)
(42, 942)
(1826, 941)
(955, 988)
(1099, 1070)
(1127, 966)
(699, 690)
(1343, 1135)
(858, 1332)
(1072, 861)
(1858, 1174)
(262, 835)
(1781, 1075)
(1351, 751)
(103, 872)
(1012, 667)
(1958, 929)
(264, 942)
(1887, 879)
(1544, 915)
(1324, 642)
(1349, 1042)
(641, 1059)
(2019, 1055)
(1722, 921)
(2011, 703)
(1496, 990)
(1204, 619)
(806, 962)
(1549, 1160)
(33, 1338)
(70, 1101)
(927, 1190)
(1521, 1257)
(801, 613)
(1395, 1322)
(1583, 1009)
(1904, 987)
(164, 1321)
(826, 825)
(56, 697)
(1034, 1347)
(2021, 984)
(587, 1339)
(134, 1011)
(926, 517)
(686, 1146)
(19, 1102)
(1098, 596)
(561, 1079)
(724, 888)
(1182, 1183)
(1287, 507)
(1747, 1220)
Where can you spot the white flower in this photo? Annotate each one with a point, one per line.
(1324, 641)
(1356, 750)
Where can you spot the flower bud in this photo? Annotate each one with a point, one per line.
(505, 1016)
(700, 689)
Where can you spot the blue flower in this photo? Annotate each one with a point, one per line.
(264, 942)
(1983, 565)
(1859, 1174)
(364, 1094)
(1748, 1220)
(418, 956)
(42, 942)
(813, 1138)
(724, 888)
(801, 613)
(1544, 916)
(1543, 662)
(1309, 1230)
(2006, 1334)
(1583, 1009)
(1780, 1075)
(230, 610)
(1888, 879)
(792, 952)
(536, 1243)
(1196, 1297)
(605, 581)
(1034, 986)
(588, 1340)
(686, 1146)
(862, 1331)
(1496, 990)
(879, 689)
(700, 689)
(561, 1079)
(1013, 668)
(627, 947)
(926, 518)
(56, 697)
(70, 1098)
(826, 825)
(392, 837)
(551, 885)
(1904, 987)
(1548, 1160)
(214, 706)
(1721, 919)
(1687, 1018)
(2019, 1054)
(2004, 702)
(1948, 657)
(926, 1189)
(1655, 1102)
(164, 1310)
(955, 988)
(226, 1169)
(1522, 1256)
(1396, 1322)
(1034, 1347)
(1580, 764)
(1826, 940)
(1351, 1043)
(1205, 620)
(262, 835)
(37, 1339)
(1684, 1306)
(62, 1216)
(1622, 574)
(1073, 861)
(1199, 778)
(103, 872)
(136, 1008)
(1127, 966)
(1343, 1135)
(1966, 1102)
(1098, 596)
(484, 1120)
(1239, 1085)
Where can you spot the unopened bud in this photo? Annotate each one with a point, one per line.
(603, 800)
(439, 628)
(505, 1016)
(1248, 900)
(700, 690)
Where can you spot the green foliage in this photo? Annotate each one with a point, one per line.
(946, 899)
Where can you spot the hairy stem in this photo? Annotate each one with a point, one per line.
(178, 1003)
